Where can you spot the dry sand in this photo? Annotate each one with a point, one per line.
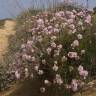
(4, 35)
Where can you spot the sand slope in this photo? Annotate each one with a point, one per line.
(4, 34)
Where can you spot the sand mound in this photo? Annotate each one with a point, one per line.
(4, 34)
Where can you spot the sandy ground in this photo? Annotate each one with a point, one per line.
(4, 34)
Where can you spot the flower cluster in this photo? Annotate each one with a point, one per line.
(55, 50)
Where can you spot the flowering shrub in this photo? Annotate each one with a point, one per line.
(57, 50)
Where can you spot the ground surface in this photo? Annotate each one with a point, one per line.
(5, 32)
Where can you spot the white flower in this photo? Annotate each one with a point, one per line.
(44, 61)
(46, 81)
(42, 89)
(79, 36)
(68, 12)
(59, 81)
(56, 25)
(50, 27)
(32, 50)
(26, 72)
(53, 44)
(82, 51)
(80, 68)
(49, 49)
(80, 23)
(55, 67)
(36, 68)
(72, 54)
(56, 30)
(23, 46)
(56, 53)
(53, 38)
(58, 76)
(55, 62)
(74, 11)
(28, 57)
(75, 43)
(29, 42)
(64, 58)
(72, 26)
(31, 76)
(72, 31)
(40, 72)
(54, 18)
(63, 25)
(33, 59)
(17, 75)
(26, 69)
(59, 46)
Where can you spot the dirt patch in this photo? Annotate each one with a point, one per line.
(5, 32)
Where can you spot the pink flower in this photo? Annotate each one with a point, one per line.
(59, 14)
(49, 49)
(72, 16)
(70, 21)
(56, 30)
(88, 19)
(29, 44)
(80, 14)
(74, 85)
(40, 21)
(72, 26)
(72, 54)
(17, 75)
(82, 72)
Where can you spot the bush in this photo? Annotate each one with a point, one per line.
(58, 48)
